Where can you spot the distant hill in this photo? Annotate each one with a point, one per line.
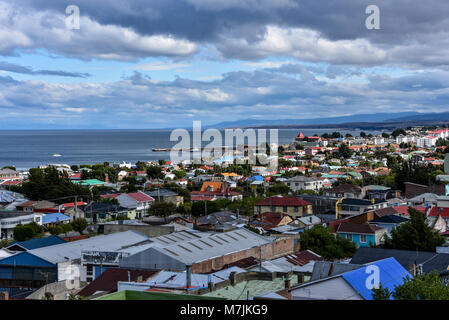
(443, 116)
(377, 117)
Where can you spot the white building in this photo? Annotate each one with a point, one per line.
(427, 141)
(299, 183)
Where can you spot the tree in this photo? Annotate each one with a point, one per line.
(344, 151)
(414, 235)
(422, 287)
(27, 231)
(155, 172)
(398, 132)
(321, 241)
(162, 209)
(79, 224)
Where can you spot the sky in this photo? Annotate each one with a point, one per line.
(148, 64)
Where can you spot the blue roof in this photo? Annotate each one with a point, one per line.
(25, 259)
(257, 178)
(38, 242)
(54, 217)
(391, 275)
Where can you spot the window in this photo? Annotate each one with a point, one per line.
(296, 209)
(348, 236)
(284, 209)
(363, 238)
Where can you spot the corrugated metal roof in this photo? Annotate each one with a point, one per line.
(72, 250)
(391, 274)
(175, 279)
(37, 242)
(213, 245)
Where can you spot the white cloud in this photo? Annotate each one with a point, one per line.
(28, 30)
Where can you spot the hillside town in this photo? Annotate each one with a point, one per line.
(312, 230)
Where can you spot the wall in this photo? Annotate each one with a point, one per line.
(277, 248)
(412, 189)
(333, 289)
(148, 230)
(370, 238)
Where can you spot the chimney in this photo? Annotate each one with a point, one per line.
(232, 277)
(188, 276)
(287, 283)
(106, 178)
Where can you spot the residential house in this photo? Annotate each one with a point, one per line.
(363, 235)
(346, 191)
(388, 222)
(352, 285)
(99, 212)
(166, 195)
(138, 201)
(299, 183)
(348, 207)
(293, 206)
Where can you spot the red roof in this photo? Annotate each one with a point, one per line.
(437, 211)
(107, 281)
(11, 183)
(110, 196)
(75, 176)
(301, 258)
(404, 209)
(72, 204)
(300, 136)
(283, 201)
(140, 196)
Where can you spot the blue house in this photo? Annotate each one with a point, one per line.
(363, 235)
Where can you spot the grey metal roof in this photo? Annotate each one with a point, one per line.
(213, 245)
(72, 250)
(430, 260)
(324, 269)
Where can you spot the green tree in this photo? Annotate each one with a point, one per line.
(321, 241)
(155, 172)
(162, 209)
(422, 287)
(414, 235)
(79, 224)
(344, 151)
(27, 231)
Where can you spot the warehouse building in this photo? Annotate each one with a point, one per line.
(205, 252)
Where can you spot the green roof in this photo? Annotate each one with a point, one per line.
(376, 187)
(255, 288)
(89, 182)
(145, 295)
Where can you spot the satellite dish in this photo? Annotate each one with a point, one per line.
(446, 163)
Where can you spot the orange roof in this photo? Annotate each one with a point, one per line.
(214, 185)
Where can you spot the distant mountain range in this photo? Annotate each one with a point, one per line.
(357, 120)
